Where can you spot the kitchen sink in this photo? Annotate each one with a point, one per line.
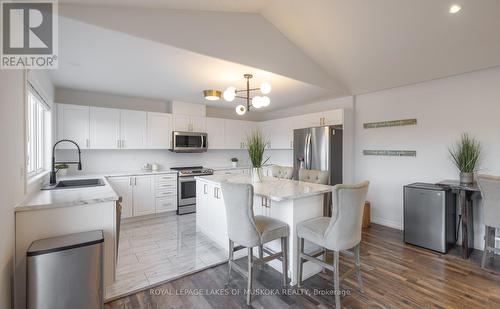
(75, 183)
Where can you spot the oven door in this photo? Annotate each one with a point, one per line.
(187, 191)
(189, 142)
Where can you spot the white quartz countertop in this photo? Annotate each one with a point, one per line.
(275, 189)
(139, 173)
(45, 199)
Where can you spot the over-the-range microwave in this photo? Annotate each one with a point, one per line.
(189, 141)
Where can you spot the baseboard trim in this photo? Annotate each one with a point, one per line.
(386, 222)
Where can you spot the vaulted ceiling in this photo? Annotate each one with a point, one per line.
(308, 49)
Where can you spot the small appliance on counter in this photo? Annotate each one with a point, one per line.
(186, 186)
(429, 216)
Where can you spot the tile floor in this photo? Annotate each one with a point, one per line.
(159, 249)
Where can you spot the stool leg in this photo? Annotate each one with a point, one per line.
(230, 261)
(300, 249)
(487, 235)
(250, 276)
(357, 262)
(324, 260)
(336, 278)
(261, 255)
(284, 261)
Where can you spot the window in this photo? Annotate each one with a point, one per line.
(35, 121)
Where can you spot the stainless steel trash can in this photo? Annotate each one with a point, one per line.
(66, 272)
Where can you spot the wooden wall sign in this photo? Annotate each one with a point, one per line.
(390, 123)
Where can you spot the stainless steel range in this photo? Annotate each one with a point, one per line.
(187, 187)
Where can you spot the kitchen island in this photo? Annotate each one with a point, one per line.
(290, 201)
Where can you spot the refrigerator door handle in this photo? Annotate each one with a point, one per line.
(308, 151)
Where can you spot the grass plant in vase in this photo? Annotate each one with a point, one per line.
(465, 154)
(234, 162)
(256, 145)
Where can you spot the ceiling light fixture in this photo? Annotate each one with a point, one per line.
(231, 93)
(455, 8)
(211, 94)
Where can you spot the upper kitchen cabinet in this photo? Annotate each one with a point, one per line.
(189, 123)
(189, 117)
(328, 118)
(133, 129)
(159, 130)
(73, 124)
(333, 117)
(104, 128)
(236, 133)
(215, 133)
(281, 134)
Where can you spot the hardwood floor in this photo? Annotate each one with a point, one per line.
(395, 275)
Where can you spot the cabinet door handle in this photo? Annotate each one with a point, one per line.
(87, 143)
(204, 189)
(130, 181)
(135, 181)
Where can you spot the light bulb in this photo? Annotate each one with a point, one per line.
(265, 101)
(241, 110)
(257, 102)
(455, 8)
(265, 88)
(230, 94)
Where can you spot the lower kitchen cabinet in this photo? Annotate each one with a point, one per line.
(145, 195)
(123, 187)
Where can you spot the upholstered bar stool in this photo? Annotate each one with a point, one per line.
(250, 231)
(490, 191)
(314, 176)
(284, 172)
(340, 232)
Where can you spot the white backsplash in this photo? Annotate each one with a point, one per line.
(104, 161)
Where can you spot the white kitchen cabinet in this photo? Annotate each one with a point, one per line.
(104, 128)
(278, 132)
(143, 195)
(333, 117)
(189, 123)
(159, 130)
(123, 187)
(198, 123)
(139, 196)
(236, 133)
(133, 129)
(309, 120)
(215, 131)
(73, 124)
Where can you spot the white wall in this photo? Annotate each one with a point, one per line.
(444, 109)
(12, 166)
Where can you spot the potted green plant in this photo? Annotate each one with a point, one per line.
(465, 154)
(256, 145)
(234, 161)
(61, 169)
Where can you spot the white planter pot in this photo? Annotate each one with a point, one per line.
(256, 174)
(235, 164)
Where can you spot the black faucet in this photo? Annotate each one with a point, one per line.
(53, 172)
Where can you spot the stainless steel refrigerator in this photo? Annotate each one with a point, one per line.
(319, 148)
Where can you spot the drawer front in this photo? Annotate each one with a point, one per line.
(166, 185)
(166, 204)
(166, 178)
(166, 192)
